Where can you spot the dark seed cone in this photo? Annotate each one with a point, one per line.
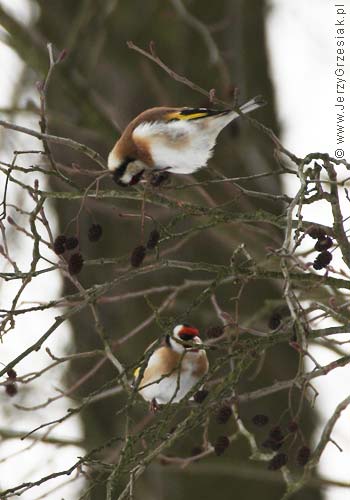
(221, 444)
(277, 315)
(75, 263)
(200, 396)
(322, 260)
(293, 426)
(317, 233)
(11, 390)
(276, 434)
(95, 232)
(214, 332)
(274, 321)
(137, 256)
(303, 455)
(61, 239)
(270, 444)
(224, 414)
(196, 450)
(277, 461)
(72, 242)
(323, 244)
(12, 375)
(260, 420)
(153, 239)
(59, 244)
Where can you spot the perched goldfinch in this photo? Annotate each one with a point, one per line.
(175, 140)
(173, 368)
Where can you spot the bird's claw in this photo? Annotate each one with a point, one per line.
(159, 178)
(153, 406)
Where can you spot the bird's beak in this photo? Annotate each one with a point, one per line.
(195, 341)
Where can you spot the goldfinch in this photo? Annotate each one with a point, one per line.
(173, 368)
(175, 140)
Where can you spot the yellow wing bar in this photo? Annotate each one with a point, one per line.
(178, 115)
(194, 113)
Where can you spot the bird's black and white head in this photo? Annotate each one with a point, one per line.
(184, 337)
(126, 171)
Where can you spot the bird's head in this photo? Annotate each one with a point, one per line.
(126, 171)
(184, 336)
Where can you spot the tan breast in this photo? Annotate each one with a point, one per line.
(201, 365)
(168, 361)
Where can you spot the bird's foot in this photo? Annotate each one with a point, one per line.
(157, 178)
(153, 406)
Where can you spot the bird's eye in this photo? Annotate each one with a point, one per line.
(186, 336)
(116, 176)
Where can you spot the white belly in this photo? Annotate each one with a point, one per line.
(182, 147)
(172, 388)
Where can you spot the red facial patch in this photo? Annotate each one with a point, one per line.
(189, 330)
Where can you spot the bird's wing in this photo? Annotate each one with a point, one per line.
(137, 370)
(162, 362)
(177, 145)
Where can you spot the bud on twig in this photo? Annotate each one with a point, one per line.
(152, 48)
(12, 375)
(200, 396)
(95, 232)
(153, 239)
(11, 390)
(212, 95)
(62, 55)
(137, 256)
(39, 85)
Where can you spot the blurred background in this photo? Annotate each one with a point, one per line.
(238, 48)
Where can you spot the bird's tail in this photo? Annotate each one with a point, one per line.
(223, 118)
(228, 115)
(255, 103)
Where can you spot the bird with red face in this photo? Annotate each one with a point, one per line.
(174, 368)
